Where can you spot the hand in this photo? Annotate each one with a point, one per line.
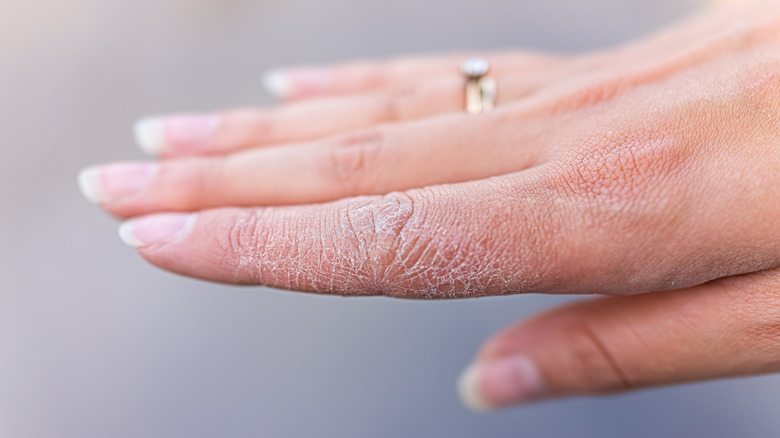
(652, 167)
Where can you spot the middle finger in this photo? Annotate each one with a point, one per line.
(446, 149)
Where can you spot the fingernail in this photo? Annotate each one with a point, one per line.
(500, 383)
(285, 84)
(150, 135)
(156, 230)
(105, 184)
(183, 133)
(276, 84)
(470, 392)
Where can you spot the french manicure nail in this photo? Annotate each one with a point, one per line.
(190, 132)
(284, 84)
(470, 392)
(101, 185)
(150, 135)
(276, 83)
(500, 383)
(156, 229)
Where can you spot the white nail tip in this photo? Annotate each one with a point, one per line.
(89, 184)
(150, 135)
(127, 236)
(277, 84)
(469, 391)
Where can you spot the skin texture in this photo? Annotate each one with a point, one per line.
(648, 172)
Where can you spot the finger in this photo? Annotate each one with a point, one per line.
(520, 233)
(363, 77)
(722, 329)
(399, 245)
(187, 135)
(376, 161)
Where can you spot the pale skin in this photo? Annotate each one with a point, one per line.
(647, 172)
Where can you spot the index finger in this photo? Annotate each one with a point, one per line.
(508, 235)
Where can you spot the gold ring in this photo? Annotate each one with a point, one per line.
(480, 90)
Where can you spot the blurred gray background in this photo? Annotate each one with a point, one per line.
(96, 343)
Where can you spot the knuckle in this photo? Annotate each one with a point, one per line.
(249, 125)
(401, 105)
(206, 181)
(264, 127)
(598, 369)
(415, 247)
(754, 303)
(386, 234)
(352, 161)
(625, 184)
(590, 94)
(624, 165)
(240, 240)
(380, 75)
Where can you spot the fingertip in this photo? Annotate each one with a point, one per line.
(127, 236)
(500, 383)
(108, 184)
(470, 392)
(150, 136)
(300, 82)
(277, 84)
(155, 230)
(89, 185)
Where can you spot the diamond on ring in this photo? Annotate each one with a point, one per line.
(475, 68)
(480, 90)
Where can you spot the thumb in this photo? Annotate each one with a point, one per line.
(726, 328)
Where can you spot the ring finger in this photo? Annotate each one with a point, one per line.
(220, 133)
